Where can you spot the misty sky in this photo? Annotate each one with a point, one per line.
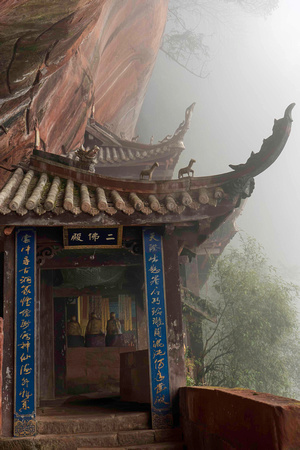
(254, 75)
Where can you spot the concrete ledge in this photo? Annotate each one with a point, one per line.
(217, 418)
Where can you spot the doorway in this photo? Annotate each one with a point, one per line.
(78, 362)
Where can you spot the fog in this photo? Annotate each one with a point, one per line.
(254, 74)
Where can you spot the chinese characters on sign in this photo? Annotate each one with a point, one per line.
(158, 354)
(93, 237)
(24, 413)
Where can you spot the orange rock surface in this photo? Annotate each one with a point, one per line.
(58, 58)
(223, 418)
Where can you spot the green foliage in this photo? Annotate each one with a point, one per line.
(254, 344)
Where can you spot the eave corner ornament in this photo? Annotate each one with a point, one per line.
(271, 147)
(177, 138)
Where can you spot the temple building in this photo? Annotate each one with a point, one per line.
(119, 157)
(95, 269)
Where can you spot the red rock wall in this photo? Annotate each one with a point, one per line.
(229, 419)
(59, 57)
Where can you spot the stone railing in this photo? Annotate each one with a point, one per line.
(227, 419)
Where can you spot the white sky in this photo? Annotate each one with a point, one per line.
(254, 76)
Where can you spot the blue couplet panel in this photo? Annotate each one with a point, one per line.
(24, 411)
(157, 329)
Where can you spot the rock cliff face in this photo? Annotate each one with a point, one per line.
(60, 57)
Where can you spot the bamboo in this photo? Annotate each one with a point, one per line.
(69, 196)
(52, 194)
(153, 203)
(85, 199)
(136, 202)
(203, 196)
(35, 197)
(117, 200)
(11, 186)
(20, 195)
(101, 199)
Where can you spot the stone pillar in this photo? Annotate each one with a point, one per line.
(174, 321)
(8, 331)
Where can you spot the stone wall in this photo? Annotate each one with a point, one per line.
(227, 419)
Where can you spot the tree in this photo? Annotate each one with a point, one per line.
(254, 343)
(260, 7)
(185, 44)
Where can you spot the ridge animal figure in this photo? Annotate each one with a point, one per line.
(88, 158)
(148, 172)
(87, 155)
(187, 169)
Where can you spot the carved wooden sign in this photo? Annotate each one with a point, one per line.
(93, 237)
(157, 329)
(24, 406)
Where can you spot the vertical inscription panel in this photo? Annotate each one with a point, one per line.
(24, 406)
(158, 347)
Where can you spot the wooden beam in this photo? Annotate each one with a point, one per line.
(8, 230)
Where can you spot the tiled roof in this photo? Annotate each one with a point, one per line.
(109, 138)
(52, 184)
(108, 155)
(40, 192)
(118, 151)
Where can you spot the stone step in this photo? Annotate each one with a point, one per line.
(156, 446)
(51, 425)
(134, 439)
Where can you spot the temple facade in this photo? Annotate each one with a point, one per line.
(95, 269)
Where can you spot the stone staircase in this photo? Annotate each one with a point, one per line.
(108, 429)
